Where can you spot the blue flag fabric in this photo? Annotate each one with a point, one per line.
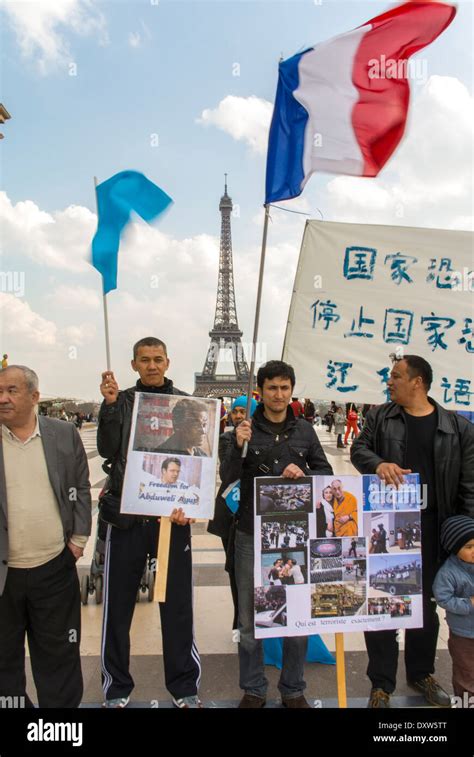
(117, 197)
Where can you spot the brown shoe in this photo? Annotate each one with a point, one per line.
(295, 703)
(379, 699)
(432, 691)
(251, 702)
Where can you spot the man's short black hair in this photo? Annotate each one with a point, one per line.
(186, 409)
(148, 341)
(274, 369)
(418, 366)
(168, 461)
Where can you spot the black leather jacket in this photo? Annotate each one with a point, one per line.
(383, 440)
(297, 444)
(113, 434)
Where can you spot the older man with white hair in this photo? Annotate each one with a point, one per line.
(45, 520)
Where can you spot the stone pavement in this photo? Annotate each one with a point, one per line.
(213, 622)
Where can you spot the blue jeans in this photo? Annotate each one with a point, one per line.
(252, 669)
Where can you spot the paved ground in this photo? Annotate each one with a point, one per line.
(213, 618)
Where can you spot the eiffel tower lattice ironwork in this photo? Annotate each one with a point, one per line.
(225, 333)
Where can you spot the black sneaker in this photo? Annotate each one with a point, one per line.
(379, 699)
(432, 691)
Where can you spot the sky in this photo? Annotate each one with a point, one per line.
(183, 91)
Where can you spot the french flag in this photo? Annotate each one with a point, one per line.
(341, 106)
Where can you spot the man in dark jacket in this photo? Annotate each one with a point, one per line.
(278, 445)
(130, 539)
(412, 433)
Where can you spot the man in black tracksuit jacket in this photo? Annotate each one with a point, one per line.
(278, 445)
(415, 434)
(130, 538)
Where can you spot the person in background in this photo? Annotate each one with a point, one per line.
(309, 411)
(223, 419)
(330, 415)
(453, 590)
(223, 520)
(297, 407)
(4, 362)
(339, 425)
(352, 417)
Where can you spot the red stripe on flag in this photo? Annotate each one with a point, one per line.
(379, 116)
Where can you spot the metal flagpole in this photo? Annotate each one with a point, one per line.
(104, 297)
(257, 318)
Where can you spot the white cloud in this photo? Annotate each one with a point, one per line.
(72, 296)
(79, 335)
(246, 119)
(59, 240)
(19, 321)
(429, 181)
(41, 25)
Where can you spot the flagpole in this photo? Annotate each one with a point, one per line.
(104, 298)
(257, 319)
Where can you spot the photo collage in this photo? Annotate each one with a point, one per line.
(336, 548)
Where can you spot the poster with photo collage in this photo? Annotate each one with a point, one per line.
(336, 554)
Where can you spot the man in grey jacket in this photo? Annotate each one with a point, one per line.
(45, 520)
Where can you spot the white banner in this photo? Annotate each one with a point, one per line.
(172, 456)
(336, 554)
(364, 292)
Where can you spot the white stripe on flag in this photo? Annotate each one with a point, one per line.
(330, 107)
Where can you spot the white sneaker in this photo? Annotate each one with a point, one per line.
(117, 704)
(188, 703)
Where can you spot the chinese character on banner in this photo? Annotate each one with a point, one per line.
(359, 332)
(359, 263)
(384, 374)
(462, 391)
(434, 327)
(326, 313)
(397, 326)
(468, 331)
(333, 369)
(399, 266)
(444, 279)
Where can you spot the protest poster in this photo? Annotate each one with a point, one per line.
(172, 456)
(364, 292)
(336, 554)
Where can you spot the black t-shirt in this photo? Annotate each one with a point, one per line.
(419, 452)
(275, 428)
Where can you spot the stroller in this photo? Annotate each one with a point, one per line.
(93, 582)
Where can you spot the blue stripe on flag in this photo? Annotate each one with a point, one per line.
(287, 133)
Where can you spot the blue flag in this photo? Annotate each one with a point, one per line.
(116, 198)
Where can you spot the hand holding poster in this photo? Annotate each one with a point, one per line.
(336, 554)
(172, 456)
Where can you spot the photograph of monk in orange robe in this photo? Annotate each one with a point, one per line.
(345, 510)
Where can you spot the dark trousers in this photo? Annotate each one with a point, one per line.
(125, 558)
(420, 643)
(43, 603)
(461, 649)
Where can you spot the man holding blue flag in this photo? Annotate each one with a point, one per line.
(128, 541)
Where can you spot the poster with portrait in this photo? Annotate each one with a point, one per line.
(172, 456)
(337, 554)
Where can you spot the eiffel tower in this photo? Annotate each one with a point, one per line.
(226, 332)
